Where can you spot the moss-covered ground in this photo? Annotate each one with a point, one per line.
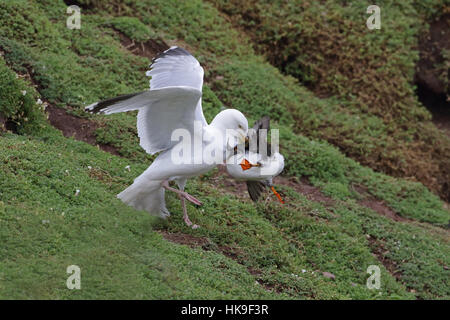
(262, 251)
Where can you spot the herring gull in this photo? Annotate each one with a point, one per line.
(173, 104)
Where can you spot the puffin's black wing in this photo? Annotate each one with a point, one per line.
(255, 188)
(263, 123)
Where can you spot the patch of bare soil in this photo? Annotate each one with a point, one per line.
(381, 208)
(237, 255)
(84, 129)
(380, 252)
(304, 187)
(78, 128)
(70, 125)
(204, 243)
(239, 188)
(148, 49)
(232, 253)
(152, 47)
(184, 239)
(377, 205)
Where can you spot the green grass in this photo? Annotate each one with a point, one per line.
(18, 102)
(45, 227)
(375, 116)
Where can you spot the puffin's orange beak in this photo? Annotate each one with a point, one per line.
(277, 194)
(245, 165)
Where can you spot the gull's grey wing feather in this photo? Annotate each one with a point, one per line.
(177, 67)
(173, 101)
(161, 111)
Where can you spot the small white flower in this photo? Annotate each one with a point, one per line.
(77, 192)
(24, 92)
(303, 270)
(39, 101)
(128, 168)
(89, 167)
(45, 221)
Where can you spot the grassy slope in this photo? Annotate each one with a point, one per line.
(45, 228)
(328, 47)
(77, 67)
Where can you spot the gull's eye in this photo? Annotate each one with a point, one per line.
(240, 127)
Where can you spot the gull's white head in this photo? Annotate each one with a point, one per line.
(233, 122)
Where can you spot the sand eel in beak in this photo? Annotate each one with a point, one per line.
(257, 168)
(174, 102)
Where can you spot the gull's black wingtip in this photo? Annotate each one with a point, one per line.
(172, 51)
(91, 108)
(100, 106)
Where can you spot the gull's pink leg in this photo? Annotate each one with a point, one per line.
(183, 194)
(185, 214)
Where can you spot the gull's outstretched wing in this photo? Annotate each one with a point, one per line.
(173, 101)
(177, 67)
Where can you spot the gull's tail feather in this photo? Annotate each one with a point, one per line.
(146, 195)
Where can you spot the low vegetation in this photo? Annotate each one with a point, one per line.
(342, 213)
